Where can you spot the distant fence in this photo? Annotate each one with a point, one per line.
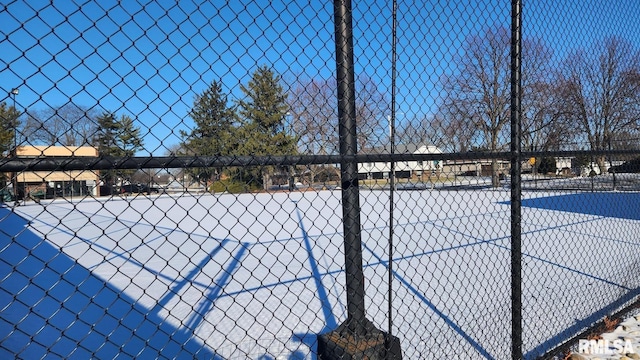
(279, 180)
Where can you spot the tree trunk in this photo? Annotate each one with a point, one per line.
(495, 177)
(266, 180)
(600, 161)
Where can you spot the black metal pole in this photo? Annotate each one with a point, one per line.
(349, 169)
(357, 337)
(516, 186)
(392, 172)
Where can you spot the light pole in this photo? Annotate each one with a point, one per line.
(391, 118)
(14, 92)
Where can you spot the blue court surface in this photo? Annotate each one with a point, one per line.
(258, 276)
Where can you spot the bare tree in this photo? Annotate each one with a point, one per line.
(436, 130)
(600, 90)
(625, 140)
(419, 130)
(479, 92)
(477, 101)
(313, 119)
(372, 106)
(69, 125)
(459, 133)
(313, 115)
(543, 127)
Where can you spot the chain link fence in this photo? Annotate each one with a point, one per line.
(292, 180)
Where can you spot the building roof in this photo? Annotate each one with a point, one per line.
(404, 149)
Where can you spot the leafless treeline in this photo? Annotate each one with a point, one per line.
(586, 99)
(589, 99)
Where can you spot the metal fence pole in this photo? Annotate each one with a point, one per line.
(356, 337)
(516, 186)
(392, 145)
(349, 169)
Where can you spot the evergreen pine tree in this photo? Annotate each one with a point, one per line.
(9, 122)
(263, 112)
(116, 138)
(213, 134)
(547, 165)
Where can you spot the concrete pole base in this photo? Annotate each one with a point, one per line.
(342, 344)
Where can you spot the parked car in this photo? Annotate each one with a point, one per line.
(137, 189)
(631, 166)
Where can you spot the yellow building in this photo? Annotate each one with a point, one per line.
(50, 184)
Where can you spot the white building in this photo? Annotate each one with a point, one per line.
(403, 169)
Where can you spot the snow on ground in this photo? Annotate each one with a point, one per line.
(258, 276)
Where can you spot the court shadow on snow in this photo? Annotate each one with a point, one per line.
(621, 205)
(50, 305)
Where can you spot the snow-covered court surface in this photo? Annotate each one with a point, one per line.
(258, 276)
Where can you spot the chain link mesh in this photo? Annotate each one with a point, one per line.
(171, 176)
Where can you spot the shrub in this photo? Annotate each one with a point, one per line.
(547, 165)
(234, 187)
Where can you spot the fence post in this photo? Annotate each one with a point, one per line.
(516, 186)
(356, 337)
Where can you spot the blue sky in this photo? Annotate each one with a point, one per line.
(148, 60)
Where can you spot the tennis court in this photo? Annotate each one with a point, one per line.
(259, 275)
